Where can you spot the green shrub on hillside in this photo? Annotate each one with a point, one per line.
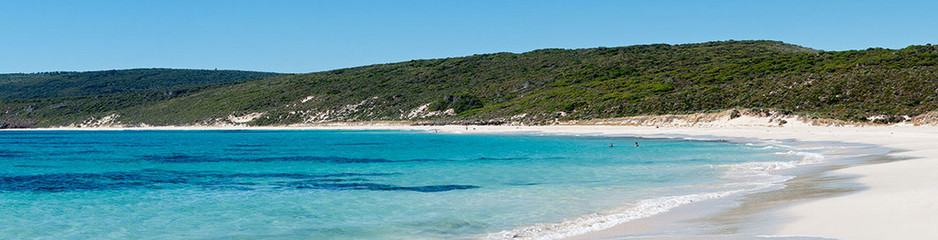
(548, 84)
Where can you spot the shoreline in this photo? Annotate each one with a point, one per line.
(756, 214)
(894, 199)
(898, 199)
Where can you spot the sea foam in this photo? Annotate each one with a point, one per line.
(745, 177)
(596, 222)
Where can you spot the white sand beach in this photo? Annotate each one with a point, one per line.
(900, 202)
(899, 199)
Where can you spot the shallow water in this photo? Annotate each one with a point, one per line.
(353, 184)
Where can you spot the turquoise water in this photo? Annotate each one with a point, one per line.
(317, 184)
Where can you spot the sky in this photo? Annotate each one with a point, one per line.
(308, 36)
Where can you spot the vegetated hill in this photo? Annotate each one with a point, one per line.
(543, 86)
(78, 84)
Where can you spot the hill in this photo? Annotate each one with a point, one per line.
(542, 86)
(78, 84)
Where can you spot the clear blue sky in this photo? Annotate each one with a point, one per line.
(308, 36)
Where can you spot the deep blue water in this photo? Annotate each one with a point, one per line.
(318, 184)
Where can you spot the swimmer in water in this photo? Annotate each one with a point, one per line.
(636, 144)
(610, 144)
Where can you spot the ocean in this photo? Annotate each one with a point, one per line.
(325, 184)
